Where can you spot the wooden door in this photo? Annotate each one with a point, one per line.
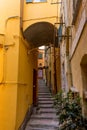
(34, 87)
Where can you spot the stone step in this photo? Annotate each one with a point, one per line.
(43, 88)
(45, 102)
(46, 105)
(47, 110)
(42, 129)
(43, 124)
(44, 117)
(46, 122)
(45, 99)
(44, 93)
(45, 96)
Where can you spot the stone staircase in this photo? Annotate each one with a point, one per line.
(44, 116)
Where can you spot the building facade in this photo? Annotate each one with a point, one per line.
(41, 65)
(24, 26)
(17, 63)
(79, 50)
(74, 48)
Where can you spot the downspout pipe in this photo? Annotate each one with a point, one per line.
(21, 14)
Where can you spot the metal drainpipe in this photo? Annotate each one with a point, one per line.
(21, 14)
(21, 27)
(5, 47)
(67, 55)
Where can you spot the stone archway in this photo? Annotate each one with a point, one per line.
(38, 34)
(84, 82)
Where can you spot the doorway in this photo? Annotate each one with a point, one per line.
(84, 82)
(40, 73)
(34, 87)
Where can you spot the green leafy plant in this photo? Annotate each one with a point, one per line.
(69, 111)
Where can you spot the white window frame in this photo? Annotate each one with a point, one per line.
(36, 1)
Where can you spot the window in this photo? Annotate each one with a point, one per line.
(31, 1)
(28, 1)
(60, 33)
(40, 56)
(40, 64)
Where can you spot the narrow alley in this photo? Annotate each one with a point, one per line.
(44, 117)
(43, 64)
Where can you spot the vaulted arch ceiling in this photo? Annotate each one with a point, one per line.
(39, 34)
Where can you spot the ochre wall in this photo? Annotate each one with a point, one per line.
(8, 9)
(81, 50)
(25, 81)
(9, 74)
(1, 57)
(16, 63)
(16, 77)
(8, 97)
(16, 68)
(39, 12)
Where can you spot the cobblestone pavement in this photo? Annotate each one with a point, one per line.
(44, 116)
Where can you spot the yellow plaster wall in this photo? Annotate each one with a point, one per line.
(16, 75)
(8, 95)
(8, 9)
(9, 75)
(25, 81)
(1, 57)
(76, 60)
(16, 68)
(11, 47)
(25, 75)
(39, 12)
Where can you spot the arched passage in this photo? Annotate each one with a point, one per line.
(39, 34)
